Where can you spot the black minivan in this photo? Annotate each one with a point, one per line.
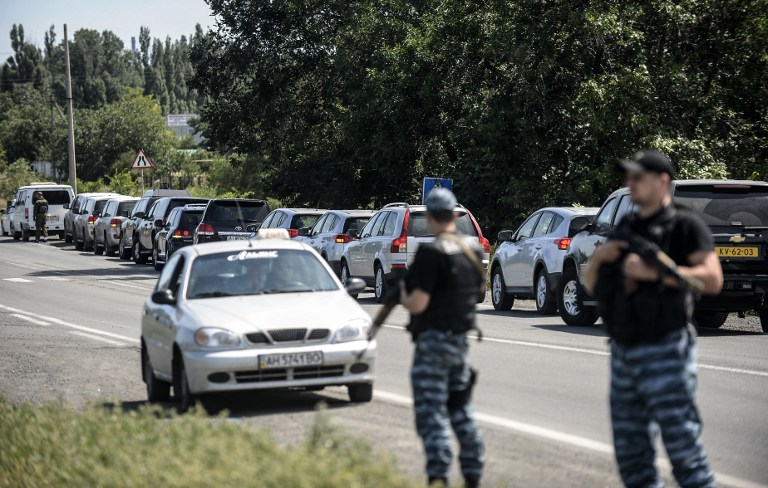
(230, 219)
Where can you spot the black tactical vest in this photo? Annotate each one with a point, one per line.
(654, 310)
(452, 304)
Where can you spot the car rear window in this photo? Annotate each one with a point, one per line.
(99, 205)
(124, 209)
(304, 220)
(355, 223)
(236, 211)
(189, 219)
(180, 203)
(417, 225)
(726, 205)
(56, 197)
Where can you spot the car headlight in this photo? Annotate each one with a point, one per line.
(356, 330)
(214, 337)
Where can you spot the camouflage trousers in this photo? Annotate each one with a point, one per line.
(439, 367)
(40, 228)
(652, 389)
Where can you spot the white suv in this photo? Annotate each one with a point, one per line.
(58, 197)
(386, 246)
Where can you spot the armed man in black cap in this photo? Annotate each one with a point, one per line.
(441, 290)
(647, 313)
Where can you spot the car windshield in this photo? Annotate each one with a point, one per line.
(56, 197)
(300, 221)
(236, 211)
(258, 272)
(124, 208)
(726, 205)
(417, 225)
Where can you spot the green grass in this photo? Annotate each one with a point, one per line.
(57, 445)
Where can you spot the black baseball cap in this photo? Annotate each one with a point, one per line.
(649, 161)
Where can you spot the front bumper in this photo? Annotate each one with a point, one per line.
(242, 368)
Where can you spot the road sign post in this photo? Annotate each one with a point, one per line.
(430, 184)
(140, 162)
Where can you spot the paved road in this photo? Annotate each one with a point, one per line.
(69, 328)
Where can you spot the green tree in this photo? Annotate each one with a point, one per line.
(14, 175)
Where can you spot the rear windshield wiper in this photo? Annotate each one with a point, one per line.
(213, 294)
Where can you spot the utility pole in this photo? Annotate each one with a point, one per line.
(70, 119)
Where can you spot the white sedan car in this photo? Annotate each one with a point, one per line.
(248, 315)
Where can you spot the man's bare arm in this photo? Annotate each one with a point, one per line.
(705, 268)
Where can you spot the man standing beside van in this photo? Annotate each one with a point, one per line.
(40, 212)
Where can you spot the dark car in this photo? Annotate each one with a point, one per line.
(230, 219)
(153, 222)
(736, 213)
(130, 227)
(178, 232)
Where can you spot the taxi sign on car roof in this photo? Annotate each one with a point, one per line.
(280, 234)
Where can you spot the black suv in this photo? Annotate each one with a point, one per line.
(130, 227)
(736, 212)
(178, 232)
(230, 219)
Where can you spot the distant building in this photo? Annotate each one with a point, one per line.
(179, 125)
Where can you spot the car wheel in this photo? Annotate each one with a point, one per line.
(87, 247)
(61, 235)
(380, 284)
(710, 320)
(183, 397)
(571, 298)
(157, 390)
(764, 319)
(499, 297)
(108, 250)
(155, 262)
(125, 254)
(97, 249)
(16, 235)
(24, 235)
(138, 258)
(4, 232)
(345, 276)
(79, 245)
(360, 392)
(67, 238)
(545, 300)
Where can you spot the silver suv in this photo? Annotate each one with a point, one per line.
(388, 243)
(330, 235)
(529, 261)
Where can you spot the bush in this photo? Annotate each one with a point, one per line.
(56, 445)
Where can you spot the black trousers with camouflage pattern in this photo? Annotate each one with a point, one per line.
(439, 367)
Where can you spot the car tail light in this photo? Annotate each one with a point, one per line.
(92, 219)
(342, 239)
(486, 245)
(401, 243)
(483, 241)
(206, 230)
(293, 233)
(115, 223)
(26, 213)
(563, 243)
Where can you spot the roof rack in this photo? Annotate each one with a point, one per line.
(397, 204)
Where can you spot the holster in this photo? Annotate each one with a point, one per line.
(459, 398)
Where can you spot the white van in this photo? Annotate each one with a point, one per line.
(23, 217)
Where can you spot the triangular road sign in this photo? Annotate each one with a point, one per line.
(142, 161)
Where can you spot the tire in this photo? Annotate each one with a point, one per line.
(125, 254)
(4, 232)
(107, 249)
(16, 235)
(86, 246)
(24, 235)
(360, 392)
(157, 390)
(138, 258)
(499, 297)
(61, 235)
(379, 284)
(764, 320)
(181, 394)
(79, 245)
(344, 276)
(97, 250)
(155, 263)
(571, 301)
(546, 302)
(67, 238)
(711, 320)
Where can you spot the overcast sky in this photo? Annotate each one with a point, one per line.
(163, 17)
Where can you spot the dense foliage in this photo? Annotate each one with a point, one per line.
(523, 103)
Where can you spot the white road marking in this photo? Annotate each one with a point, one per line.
(19, 265)
(17, 280)
(29, 319)
(562, 438)
(137, 287)
(595, 352)
(72, 326)
(97, 338)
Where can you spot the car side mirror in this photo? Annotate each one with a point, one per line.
(66, 206)
(159, 223)
(578, 224)
(353, 233)
(505, 236)
(163, 297)
(304, 231)
(355, 286)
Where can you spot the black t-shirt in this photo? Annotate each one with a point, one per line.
(653, 310)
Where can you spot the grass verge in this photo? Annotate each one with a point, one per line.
(56, 445)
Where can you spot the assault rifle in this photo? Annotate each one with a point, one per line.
(391, 299)
(654, 256)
